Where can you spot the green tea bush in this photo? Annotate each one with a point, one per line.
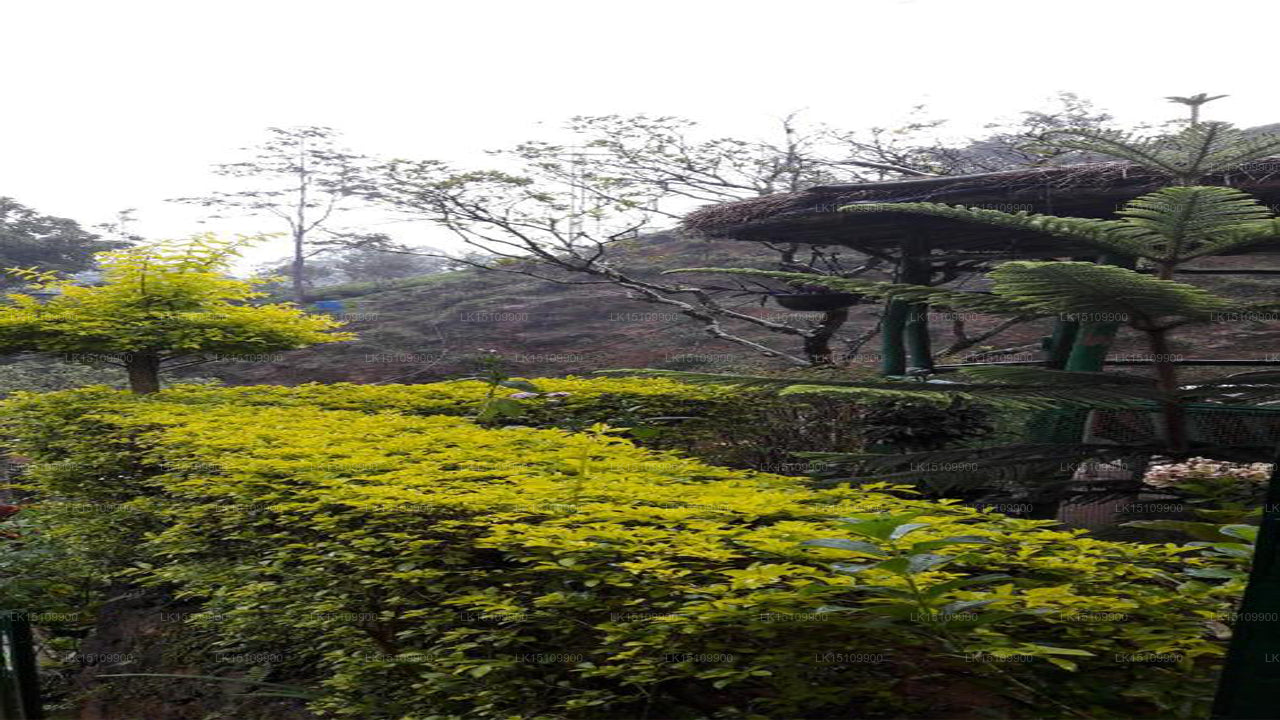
(427, 567)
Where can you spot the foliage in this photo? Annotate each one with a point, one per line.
(28, 239)
(42, 572)
(165, 304)
(910, 425)
(1169, 226)
(431, 567)
(1198, 150)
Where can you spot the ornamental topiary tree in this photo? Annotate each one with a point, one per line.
(159, 307)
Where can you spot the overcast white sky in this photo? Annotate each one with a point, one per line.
(124, 103)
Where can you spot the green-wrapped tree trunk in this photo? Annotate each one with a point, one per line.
(893, 353)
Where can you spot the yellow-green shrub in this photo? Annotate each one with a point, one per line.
(723, 425)
(728, 426)
(425, 567)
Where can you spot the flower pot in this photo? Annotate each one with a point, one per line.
(815, 302)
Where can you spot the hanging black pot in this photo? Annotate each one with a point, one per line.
(815, 302)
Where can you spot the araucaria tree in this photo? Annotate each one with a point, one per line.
(162, 306)
(302, 177)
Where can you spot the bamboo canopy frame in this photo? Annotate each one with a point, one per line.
(927, 251)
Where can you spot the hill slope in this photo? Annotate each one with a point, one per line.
(437, 326)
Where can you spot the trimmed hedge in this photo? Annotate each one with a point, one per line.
(425, 567)
(726, 426)
(577, 402)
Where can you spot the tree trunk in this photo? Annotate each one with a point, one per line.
(1174, 415)
(1093, 338)
(916, 269)
(893, 353)
(916, 334)
(299, 270)
(817, 346)
(144, 373)
(1059, 344)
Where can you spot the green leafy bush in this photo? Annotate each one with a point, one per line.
(428, 567)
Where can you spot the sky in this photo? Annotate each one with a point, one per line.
(123, 104)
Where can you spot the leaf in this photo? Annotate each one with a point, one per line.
(644, 433)
(1052, 650)
(1239, 550)
(1248, 533)
(1216, 573)
(906, 529)
(898, 566)
(857, 546)
(879, 528)
(960, 606)
(926, 561)
(942, 588)
(1208, 532)
(991, 618)
(851, 568)
(929, 545)
(1098, 292)
(500, 407)
(826, 609)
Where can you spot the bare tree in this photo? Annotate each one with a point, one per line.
(528, 229)
(915, 145)
(656, 165)
(302, 177)
(563, 212)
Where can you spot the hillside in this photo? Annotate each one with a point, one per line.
(436, 326)
(440, 325)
